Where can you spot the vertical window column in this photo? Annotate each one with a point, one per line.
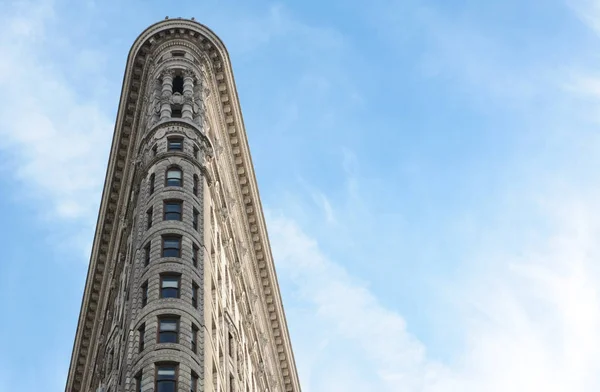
(188, 94)
(165, 95)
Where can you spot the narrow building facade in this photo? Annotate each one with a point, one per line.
(181, 292)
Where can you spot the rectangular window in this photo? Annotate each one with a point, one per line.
(166, 378)
(195, 251)
(151, 184)
(194, 295)
(231, 345)
(231, 383)
(147, 254)
(172, 210)
(174, 177)
(154, 150)
(194, 338)
(195, 217)
(175, 144)
(176, 112)
(144, 294)
(142, 333)
(169, 286)
(196, 152)
(171, 246)
(138, 382)
(168, 330)
(194, 383)
(149, 218)
(195, 187)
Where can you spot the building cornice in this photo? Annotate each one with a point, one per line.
(116, 196)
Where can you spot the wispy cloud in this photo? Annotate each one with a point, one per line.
(528, 315)
(588, 11)
(55, 138)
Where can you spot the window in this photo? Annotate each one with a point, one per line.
(231, 383)
(195, 187)
(154, 150)
(195, 251)
(142, 332)
(138, 382)
(172, 210)
(196, 152)
(151, 184)
(194, 383)
(194, 338)
(196, 214)
(149, 218)
(171, 246)
(168, 329)
(144, 294)
(178, 84)
(147, 254)
(166, 378)
(175, 144)
(194, 295)
(177, 53)
(169, 286)
(176, 112)
(174, 177)
(231, 345)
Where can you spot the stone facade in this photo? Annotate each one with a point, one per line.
(181, 285)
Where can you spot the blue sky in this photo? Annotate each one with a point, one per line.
(428, 169)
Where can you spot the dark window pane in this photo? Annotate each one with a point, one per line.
(176, 112)
(142, 332)
(174, 177)
(169, 287)
(175, 144)
(168, 337)
(195, 256)
(171, 253)
(147, 254)
(166, 386)
(171, 246)
(172, 210)
(170, 293)
(168, 329)
(149, 218)
(195, 219)
(144, 294)
(195, 188)
(178, 85)
(151, 185)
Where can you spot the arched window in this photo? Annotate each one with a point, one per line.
(174, 177)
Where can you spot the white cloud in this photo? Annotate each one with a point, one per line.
(54, 137)
(588, 11)
(530, 316)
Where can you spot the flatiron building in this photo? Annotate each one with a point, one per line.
(181, 292)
